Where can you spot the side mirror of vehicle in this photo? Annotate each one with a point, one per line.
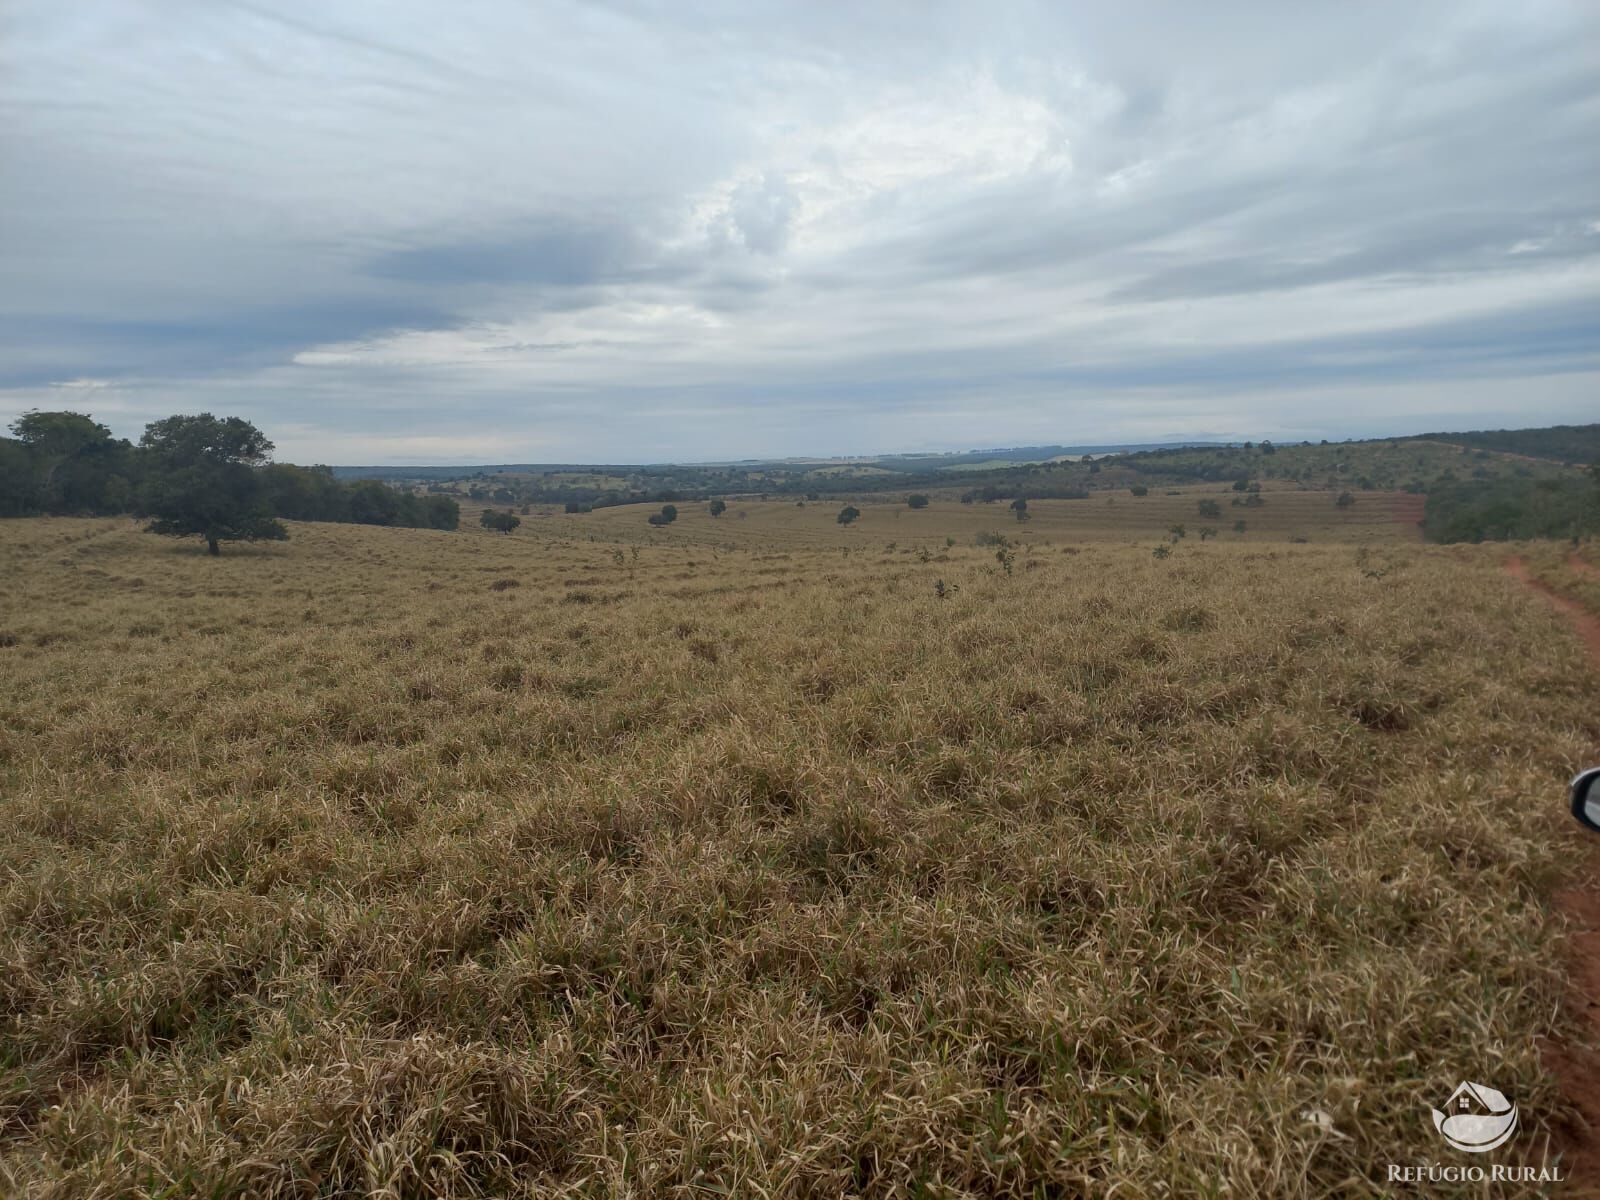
(1586, 798)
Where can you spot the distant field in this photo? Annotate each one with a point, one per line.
(732, 859)
(1375, 518)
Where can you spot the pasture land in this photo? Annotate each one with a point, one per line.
(1375, 518)
(731, 858)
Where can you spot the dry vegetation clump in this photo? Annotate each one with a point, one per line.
(336, 868)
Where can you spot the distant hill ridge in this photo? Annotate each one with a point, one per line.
(1558, 443)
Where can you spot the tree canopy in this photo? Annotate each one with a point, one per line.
(500, 522)
(206, 484)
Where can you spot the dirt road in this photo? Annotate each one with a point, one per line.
(1577, 1068)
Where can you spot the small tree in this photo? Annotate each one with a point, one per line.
(848, 514)
(667, 515)
(1210, 509)
(717, 507)
(1020, 507)
(1178, 531)
(1238, 526)
(500, 522)
(916, 500)
(1207, 531)
(203, 480)
(1139, 489)
(1345, 500)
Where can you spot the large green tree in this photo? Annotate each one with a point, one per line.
(75, 463)
(204, 480)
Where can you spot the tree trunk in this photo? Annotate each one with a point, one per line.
(211, 546)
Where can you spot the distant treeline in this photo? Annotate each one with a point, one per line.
(1563, 443)
(67, 464)
(1511, 508)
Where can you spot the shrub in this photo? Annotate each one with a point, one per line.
(848, 513)
(717, 507)
(1210, 508)
(916, 500)
(1139, 489)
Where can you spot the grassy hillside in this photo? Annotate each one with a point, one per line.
(419, 863)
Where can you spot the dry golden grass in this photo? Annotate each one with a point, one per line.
(407, 863)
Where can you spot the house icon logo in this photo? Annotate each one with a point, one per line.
(1476, 1118)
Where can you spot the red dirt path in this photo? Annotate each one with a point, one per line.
(1578, 1069)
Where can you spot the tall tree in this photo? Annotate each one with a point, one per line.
(73, 458)
(203, 480)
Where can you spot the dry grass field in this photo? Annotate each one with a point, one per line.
(1285, 513)
(732, 859)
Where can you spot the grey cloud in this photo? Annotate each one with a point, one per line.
(761, 213)
(557, 251)
(724, 230)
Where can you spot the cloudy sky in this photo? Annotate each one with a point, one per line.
(513, 231)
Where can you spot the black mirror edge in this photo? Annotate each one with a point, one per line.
(1582, 784)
